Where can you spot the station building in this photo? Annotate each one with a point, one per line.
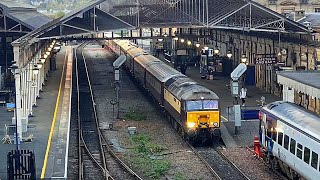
(293, 8)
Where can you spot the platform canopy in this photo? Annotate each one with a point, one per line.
(20, 17)
(225, 14)
(114, 15)
(84, 20)
(307, 82)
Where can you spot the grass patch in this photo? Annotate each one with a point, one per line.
(179, 176)
(135, 115)
(142, 156)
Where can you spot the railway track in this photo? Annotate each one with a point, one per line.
(96, 159)
(218, 164)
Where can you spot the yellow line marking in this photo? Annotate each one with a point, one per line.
(224, 118)
(44, 168)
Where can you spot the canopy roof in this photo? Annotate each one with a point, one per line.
(226, 14)
(20, 17)
(304, 81)
(102, 15)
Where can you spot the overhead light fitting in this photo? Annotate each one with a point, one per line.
(229, 54)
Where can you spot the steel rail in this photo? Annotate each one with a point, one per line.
(81, 141)
(104, 146)
(107, 174)
(213, 172)
(235, 167)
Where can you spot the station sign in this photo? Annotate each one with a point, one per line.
(266, 60)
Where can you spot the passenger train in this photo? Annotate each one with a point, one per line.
(290, 137)
(193, 109)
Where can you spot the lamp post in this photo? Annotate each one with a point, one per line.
(244, 59)
(205, 67)
(229, 54)
(216, 50)
(14, 69)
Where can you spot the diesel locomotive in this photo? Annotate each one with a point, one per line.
(193, 109)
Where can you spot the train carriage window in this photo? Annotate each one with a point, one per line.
(274, 135)
(268, 133)
(306, 155)
(299, 150)
(280, 138)
(286, 142)
(314, 160)
(293, 146)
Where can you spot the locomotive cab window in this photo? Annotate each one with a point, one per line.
(194, 105)
(210, 104)
(202, 105)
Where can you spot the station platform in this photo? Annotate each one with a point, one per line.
(249, 128)
(48, 111)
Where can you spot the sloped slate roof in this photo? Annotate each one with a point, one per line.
(31, 19)
(312, 18)
(304, 81)
(15, 5)
(24, 14)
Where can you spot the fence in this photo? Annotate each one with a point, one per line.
(247, 112)
(21, 165)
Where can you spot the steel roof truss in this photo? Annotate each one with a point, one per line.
(225, 17)
(277, 24)
(86, 30)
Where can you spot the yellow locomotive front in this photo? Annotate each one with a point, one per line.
(202, 119)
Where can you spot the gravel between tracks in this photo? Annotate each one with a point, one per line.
(183, 162)
(253, 167)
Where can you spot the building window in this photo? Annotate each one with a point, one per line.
(272, 2)
(8, 39)
(317, 10)
(304, 1)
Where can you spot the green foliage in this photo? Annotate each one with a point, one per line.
(57, 15)
(60, 14)
(141, 138)
(140, 156)
(179, 176)
(135, 115)
(59, 5)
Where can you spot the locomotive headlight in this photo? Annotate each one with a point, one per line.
(191, 124)
(215, 124)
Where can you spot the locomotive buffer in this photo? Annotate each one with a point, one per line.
(234, 87)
